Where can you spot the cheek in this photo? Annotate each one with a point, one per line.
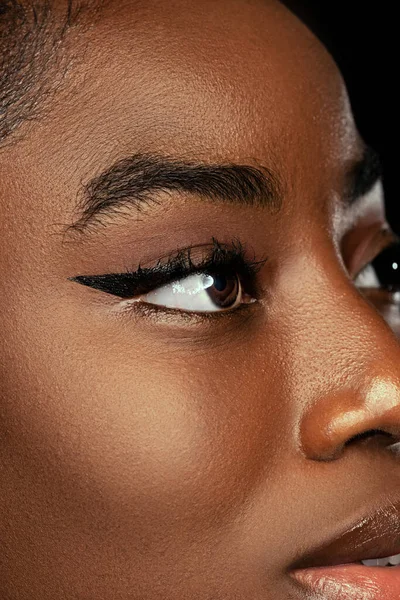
(165, 446)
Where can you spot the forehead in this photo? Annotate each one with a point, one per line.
(229, 80)
(209, 72)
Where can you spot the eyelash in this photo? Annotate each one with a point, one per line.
(227, 260)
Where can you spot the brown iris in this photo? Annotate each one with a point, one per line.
(225, 290)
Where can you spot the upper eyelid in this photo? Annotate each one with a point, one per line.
(395, 242)
(368, 248)
(179, 264)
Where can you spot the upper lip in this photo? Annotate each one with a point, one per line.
(377, 535)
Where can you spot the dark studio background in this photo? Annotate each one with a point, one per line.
(360, 36)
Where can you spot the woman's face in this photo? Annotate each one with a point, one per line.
(187, 428)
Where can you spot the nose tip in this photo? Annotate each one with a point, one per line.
(339, 417)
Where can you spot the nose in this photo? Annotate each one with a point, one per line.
(355, 412)
(352, 359)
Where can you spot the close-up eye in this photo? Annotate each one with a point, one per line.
(383, 273)
(222, 281)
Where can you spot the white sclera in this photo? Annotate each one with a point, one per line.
(367, 278)
(395, 448)
(189, 294)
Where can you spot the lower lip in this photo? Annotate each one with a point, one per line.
(351, 582)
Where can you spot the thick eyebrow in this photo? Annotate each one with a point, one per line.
(136, 182)
(363, 176)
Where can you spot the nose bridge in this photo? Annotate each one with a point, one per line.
(345, 363)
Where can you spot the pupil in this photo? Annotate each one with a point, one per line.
(220, 282)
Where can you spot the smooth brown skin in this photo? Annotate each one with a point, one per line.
(167, 458)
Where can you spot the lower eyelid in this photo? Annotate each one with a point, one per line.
(133, 308)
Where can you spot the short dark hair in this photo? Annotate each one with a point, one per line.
(32, 57)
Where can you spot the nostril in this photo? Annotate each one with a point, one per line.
(365, 435)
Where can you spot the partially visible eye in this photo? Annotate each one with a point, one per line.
(383, 272)
(379, 282)
(200, 292)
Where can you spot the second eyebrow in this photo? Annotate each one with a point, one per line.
(134, 181)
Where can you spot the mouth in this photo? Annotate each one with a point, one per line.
(363, 563)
